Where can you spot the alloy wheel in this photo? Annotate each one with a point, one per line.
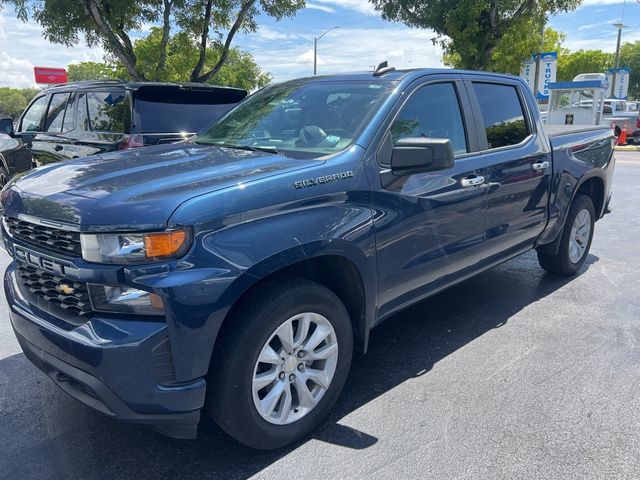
(294, 368)
(579, 238)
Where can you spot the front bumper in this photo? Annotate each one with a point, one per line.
(110, 364)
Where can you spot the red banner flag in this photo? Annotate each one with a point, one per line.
(50, 75)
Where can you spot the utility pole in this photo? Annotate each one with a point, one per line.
(619, 26)
(315, 50)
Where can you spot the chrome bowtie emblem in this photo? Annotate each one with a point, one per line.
(65, 288)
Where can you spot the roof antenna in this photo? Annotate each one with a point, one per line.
(382, 68)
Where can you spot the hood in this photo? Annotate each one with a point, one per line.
(136, 189)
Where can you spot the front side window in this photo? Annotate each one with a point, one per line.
(108, 111)
(56, 112)
(503, 115)
(32, 119)
(303, 118)
(432, 112)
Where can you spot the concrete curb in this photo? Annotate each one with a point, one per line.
(627, 148)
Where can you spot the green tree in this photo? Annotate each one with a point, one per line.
(516, 46)
(91, 71)
(109, 23)
(571, 64)
(630, 57)
(14, 100)
(240, 70)
(472, 29)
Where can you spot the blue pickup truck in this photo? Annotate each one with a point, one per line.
(236, 272)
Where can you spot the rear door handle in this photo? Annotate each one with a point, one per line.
(472, 181)
(540, 166)
(57, 148)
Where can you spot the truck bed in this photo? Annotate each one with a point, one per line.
(559, 130)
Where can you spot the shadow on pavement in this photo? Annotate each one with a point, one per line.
(45, 434)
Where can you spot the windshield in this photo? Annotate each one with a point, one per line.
(301, 119)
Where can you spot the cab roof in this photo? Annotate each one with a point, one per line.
(403, 75)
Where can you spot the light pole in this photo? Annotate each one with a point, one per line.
(315, 49)
(619, 26)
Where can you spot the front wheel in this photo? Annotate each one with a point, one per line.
(576, 239)
(278, 370)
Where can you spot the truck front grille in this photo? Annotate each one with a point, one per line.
(56, 239)
(66, 294)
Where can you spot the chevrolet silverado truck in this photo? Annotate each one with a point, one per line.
(236, 273)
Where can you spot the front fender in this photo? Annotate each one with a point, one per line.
(334, 226)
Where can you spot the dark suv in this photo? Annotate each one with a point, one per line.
(85, 118)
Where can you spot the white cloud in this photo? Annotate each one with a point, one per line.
(267, 33)
(307, 58)
(350, 49)
(361, 6)
(314, 6)
(22, 47)
(607, 44)
(16, 72)
(587, 3)
(591, 26)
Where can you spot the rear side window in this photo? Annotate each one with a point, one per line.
(69, 123)
(56, 112)
(83, 114)
(32, 120)
(503, 115)
(108, 111)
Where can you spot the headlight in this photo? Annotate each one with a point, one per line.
(119, 299)
(127, 248)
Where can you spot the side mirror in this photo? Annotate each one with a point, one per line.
(6, 126)
(416, 155)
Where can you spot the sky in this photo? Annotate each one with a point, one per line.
(285, 48)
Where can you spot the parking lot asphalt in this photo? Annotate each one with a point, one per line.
(513, 374)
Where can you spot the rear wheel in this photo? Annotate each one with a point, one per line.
(576, 239)
(278, 370)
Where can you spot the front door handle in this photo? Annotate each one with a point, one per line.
(540, 166)
(57, 148)
(472, 181)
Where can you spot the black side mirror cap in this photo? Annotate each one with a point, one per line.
(416, 155)
(6, 126)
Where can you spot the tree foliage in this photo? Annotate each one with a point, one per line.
(630, 57)
(14, 100)
(240, 70)
(111, 23)
(571, 64)
(91, 71)
(515, 46)
(473, 29)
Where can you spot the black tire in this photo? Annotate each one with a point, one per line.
(561, 263)
(229, 394)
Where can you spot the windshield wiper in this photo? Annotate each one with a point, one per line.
(250, 148)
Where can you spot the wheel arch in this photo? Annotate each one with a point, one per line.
(591, 185)
(338, 272)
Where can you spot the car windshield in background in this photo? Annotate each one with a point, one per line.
(300, 118)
